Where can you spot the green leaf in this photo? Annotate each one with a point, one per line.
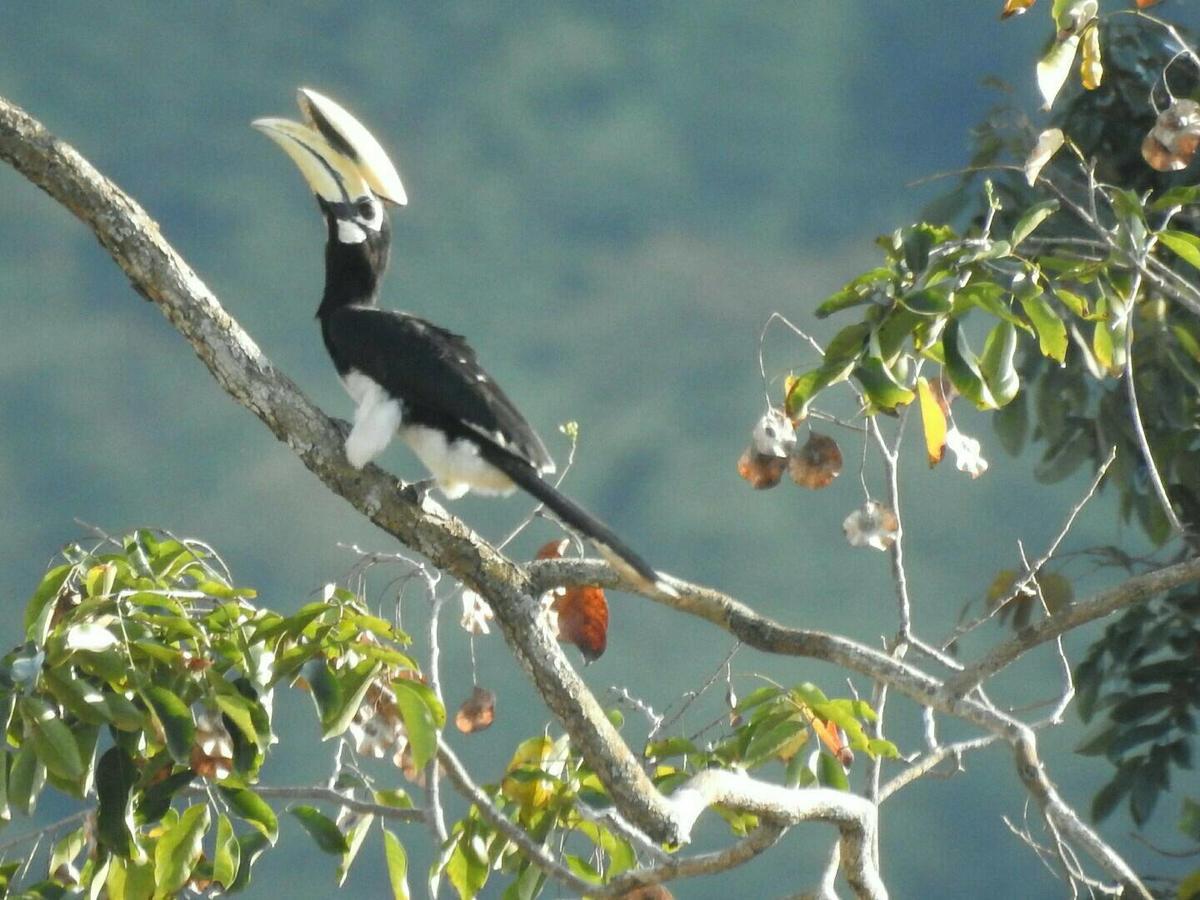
(228, 852)
(67, 849)
(861, 290)
(766, 741)
(672, 746)
(55, 744)
(239, 711)
(996, 364)
(1097, 743)
(354, 841)
(582, 868)
(76, 695)
(130, 880)
(178, 850)
(808, 693)
(338, 695)
(465, 870)
(1110, 795)
(1183, 195)
(1186, 246)
(1102, 346)
(1189, 888)
(1189, 818)
(830, 772)
(421, 712)
(397, 865)
(927, 302)
(254, 809)
(880, 747)
(1051, 332)
(757, 697)
(25, 779)
(847, 345)
(6, 760)
(36, 610)
(176, 720)
(963, 368)
(990, 297)
(1032, 218)
(1076, 303)
(116, 775)
(250, 848)
(321, 828)
(880, 385)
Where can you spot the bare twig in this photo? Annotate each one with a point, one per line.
(158, 273)
(1137, 589)
(1135, 413)
(1031, 572)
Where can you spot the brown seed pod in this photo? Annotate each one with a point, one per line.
(816, 464)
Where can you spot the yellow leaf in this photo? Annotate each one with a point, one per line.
(934, 421)
(1015, 7)
(1091, 71)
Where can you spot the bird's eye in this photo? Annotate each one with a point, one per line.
(366, 209)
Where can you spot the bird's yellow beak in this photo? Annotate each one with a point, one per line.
(341, 161)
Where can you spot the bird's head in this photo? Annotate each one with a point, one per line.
(348, 170)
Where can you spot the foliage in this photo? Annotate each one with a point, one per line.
(147, 677)
(1075, 259)
(146, 674)
(144, 686)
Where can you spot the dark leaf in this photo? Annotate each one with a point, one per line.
(254, 810)
(321, 828)
(116, 775)
(176, 720)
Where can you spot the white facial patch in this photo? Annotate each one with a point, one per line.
(455, 465)
(350, 232)
(376, 418)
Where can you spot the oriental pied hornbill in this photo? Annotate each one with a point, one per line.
(407, 376)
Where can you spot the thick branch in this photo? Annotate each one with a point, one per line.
(159, 274)
(1137, 589)
(855, 817)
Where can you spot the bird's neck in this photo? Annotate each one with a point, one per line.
(353, 272)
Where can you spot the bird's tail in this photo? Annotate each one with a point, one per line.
(611, 547)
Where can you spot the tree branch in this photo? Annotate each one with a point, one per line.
(1137, 589)
(158, 273)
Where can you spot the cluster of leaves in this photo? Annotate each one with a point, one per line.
(773, 724)
(145, 670)
(1069, 256)
(1140, 133)
(1142, 676)
(546, 783)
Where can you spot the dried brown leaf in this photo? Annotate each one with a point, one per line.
(817, 463)
(477, 712)
(761, 471)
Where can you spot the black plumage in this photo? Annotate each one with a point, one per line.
(408, 376)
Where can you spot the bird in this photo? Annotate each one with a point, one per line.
(406, 375)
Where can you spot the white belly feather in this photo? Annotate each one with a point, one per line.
(376, 418)
(455, 465)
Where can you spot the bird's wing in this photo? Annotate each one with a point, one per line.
(435, 375)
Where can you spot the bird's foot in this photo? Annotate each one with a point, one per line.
(417, 491)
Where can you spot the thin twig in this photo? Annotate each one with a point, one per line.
(1139, 429)
(1031, 572)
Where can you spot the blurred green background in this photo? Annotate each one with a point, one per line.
(608, 199)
